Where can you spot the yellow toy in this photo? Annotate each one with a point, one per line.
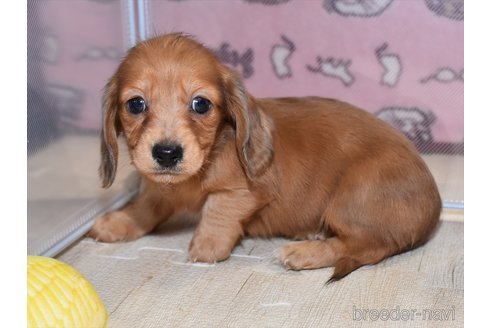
(59, 296)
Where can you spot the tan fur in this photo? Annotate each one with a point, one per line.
(304, 168)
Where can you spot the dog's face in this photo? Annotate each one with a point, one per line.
(170, 97)
(169, 110)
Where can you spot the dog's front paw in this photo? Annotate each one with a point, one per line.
(209, 249)
(115, 226)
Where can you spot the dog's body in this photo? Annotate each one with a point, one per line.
(348, 185)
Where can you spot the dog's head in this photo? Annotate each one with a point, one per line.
(170, 97)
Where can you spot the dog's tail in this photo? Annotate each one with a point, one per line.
(343, 267)
(356, 257)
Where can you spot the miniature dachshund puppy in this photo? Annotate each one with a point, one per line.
(349, 188)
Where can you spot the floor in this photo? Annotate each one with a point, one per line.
(149, 283)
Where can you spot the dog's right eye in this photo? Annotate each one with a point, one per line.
(136, 105)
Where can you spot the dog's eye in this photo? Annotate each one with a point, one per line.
(200, 105)
(136, 105)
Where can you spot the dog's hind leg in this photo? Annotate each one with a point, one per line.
(376, 212)
(310, 254)
(346, 256)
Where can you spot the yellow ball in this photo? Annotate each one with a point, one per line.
(59, 296)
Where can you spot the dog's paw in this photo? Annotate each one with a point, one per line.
(115, 226)
(299, 256)
(209, 249)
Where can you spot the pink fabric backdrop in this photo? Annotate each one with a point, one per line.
(400, 59)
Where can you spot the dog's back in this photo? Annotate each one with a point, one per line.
(343, 172)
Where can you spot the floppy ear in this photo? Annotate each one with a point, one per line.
(109, 135)
(254, 128)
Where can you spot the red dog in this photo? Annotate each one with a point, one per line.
(319, 170)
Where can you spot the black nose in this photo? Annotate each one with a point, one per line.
(167, 155)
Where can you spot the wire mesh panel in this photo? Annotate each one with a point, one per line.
(401, 60)
(73, 47)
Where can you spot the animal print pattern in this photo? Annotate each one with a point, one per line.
(402, 60)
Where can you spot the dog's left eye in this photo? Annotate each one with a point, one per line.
(200, 105)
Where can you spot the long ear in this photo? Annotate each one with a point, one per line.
(254, 128)
(109, 135)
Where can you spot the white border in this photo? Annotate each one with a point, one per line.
(13, 134)
(478, 162)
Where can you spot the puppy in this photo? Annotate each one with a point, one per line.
(348, 187)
